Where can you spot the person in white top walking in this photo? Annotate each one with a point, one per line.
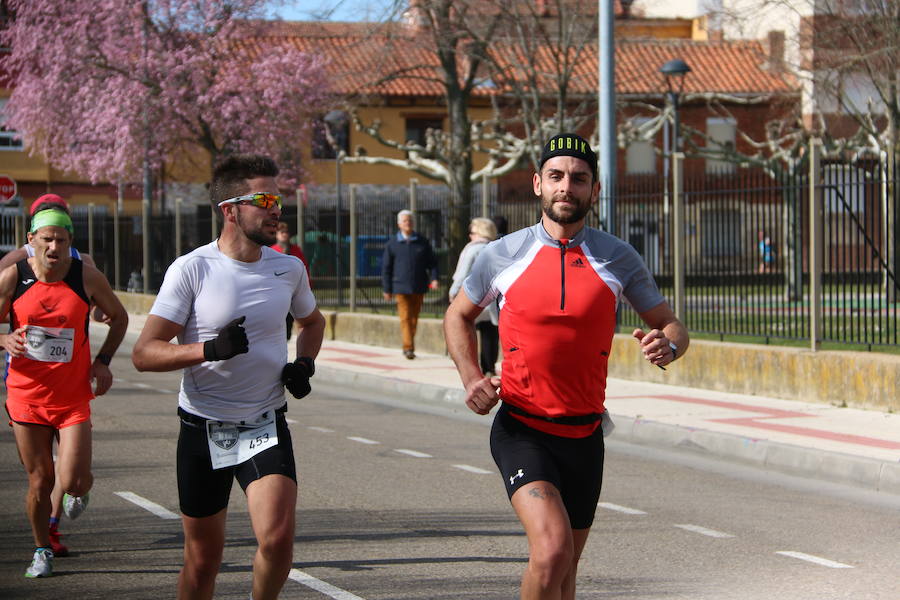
(481, 232)
(225, 302)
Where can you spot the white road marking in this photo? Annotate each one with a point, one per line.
(144, 386)
(321, 429)
(621, 509)
(290, 421)
(413, 453)
(472, 469)
(814, 559)
(320, 586)
(153, 507)
(362, 440)
(705, 531)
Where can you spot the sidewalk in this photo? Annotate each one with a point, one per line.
(820, 441)
(842, 445)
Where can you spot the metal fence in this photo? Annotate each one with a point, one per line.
(751, 248)
(793, 256)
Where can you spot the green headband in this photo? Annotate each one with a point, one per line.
(52, 217)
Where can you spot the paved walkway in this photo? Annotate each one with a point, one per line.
(843, 445)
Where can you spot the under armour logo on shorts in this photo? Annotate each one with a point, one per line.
(512, 478)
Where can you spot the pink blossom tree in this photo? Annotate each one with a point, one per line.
(100, 87)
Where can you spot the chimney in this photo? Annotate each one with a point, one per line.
(413, 16)
(774, 48)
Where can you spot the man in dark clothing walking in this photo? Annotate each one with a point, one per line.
(409, 268)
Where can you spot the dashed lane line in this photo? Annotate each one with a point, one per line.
(621, 509)
(413, 453)
(153, 507)
(704, 531)
(831, 564)
(320, 586)
(321, 429)
(296, 575)
(362, 440)
(471, 469)
(143, 386)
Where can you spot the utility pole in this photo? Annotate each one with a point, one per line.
(606, 118)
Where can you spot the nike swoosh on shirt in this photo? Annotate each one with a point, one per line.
(277, 274)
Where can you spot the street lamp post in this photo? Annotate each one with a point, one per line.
(674, 72)
(336, 123)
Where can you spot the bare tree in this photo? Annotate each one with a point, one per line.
(526, 60)
(541, 63)
(847, 56)
(781, 153)
(459, 43)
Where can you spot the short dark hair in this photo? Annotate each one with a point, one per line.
(231, 174)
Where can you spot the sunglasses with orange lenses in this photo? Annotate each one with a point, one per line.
(264, 200)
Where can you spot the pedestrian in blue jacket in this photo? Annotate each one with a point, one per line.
(409, 269)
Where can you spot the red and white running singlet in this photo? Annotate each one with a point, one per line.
(558, 316)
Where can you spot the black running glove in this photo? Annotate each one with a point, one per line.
(231, 341)
(295, 376)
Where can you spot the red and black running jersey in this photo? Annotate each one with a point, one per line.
(558, 301)
(58, 312)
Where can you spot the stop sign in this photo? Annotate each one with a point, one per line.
(7, 188)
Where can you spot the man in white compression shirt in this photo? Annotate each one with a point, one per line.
(225, 302)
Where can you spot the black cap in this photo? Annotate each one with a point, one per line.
(570, 144)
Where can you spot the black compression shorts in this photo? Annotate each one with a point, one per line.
(203, 491)
(573, 465)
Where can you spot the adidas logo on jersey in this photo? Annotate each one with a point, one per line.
(578, 263)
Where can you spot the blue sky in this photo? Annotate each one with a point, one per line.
(332, 10)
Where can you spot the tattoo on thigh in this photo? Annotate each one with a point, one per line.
(542, 493)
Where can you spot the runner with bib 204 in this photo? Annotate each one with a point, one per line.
(48, 297)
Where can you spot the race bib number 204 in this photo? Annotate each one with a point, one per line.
(49, 344)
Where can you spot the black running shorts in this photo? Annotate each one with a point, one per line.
(573, 465)
(202, 491)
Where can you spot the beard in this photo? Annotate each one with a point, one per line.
(565, 214)
(255, 234)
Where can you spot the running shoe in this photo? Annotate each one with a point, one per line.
(73, 506)
(59, 549)
(41, 564)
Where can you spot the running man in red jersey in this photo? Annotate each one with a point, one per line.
(48, 297)
(50, 202)
(559, 284)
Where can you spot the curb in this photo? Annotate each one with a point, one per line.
(835, 467)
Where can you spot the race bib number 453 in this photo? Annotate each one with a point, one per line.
(49, 344)
(232, 443)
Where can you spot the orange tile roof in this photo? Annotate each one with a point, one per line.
(361, 60)
(732, 67)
